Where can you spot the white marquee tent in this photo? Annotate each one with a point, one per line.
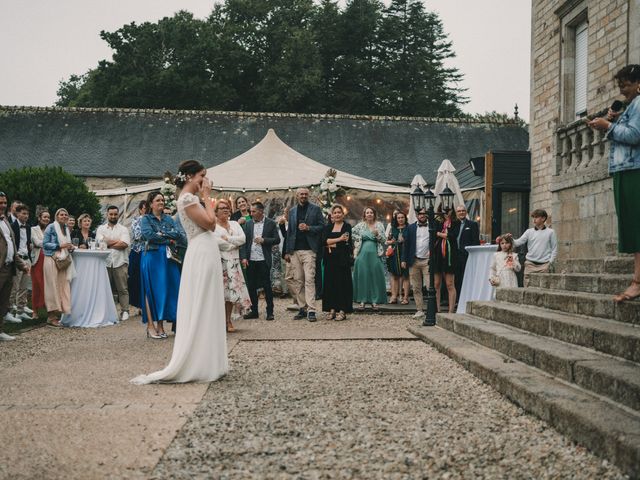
(270, 165)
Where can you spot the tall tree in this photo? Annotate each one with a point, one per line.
(279, 55)
(414, 49)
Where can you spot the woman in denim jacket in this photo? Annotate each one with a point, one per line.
(623, 133)
(160, 276)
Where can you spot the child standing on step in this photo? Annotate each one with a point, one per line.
(504, 265)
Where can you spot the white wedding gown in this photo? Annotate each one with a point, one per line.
(200, 346)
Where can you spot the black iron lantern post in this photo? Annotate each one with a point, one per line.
(427, 200)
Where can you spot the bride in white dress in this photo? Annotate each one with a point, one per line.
(200, 346)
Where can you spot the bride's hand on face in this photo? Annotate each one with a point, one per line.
(205, 188)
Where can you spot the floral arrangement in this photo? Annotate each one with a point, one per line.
(329, 190)
(168, 189)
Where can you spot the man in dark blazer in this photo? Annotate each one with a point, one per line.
(301, 248)
(415, 257)
(469, 235)
(9, 262)
(21, 281)
(255, 254)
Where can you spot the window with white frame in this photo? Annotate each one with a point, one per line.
(580, 75)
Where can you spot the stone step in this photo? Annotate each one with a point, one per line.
(609, 430)
(618, 264)
(606, 336)
(599, 373)
(609, 284)
(590, 304)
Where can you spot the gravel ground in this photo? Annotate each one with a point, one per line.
(364, 409)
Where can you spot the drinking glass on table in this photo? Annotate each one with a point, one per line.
(75, 242)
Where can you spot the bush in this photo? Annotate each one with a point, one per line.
(52, 188)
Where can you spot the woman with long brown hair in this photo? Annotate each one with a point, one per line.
(37, 271)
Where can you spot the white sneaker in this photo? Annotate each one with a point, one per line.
(11, 319)
(6, 338)
(28, 310)
(24, 316)
(124, 316)
(418, 314)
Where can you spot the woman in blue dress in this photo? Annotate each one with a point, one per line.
(369, 284)
(160, 276)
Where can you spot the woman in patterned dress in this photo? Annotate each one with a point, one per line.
(231, 237)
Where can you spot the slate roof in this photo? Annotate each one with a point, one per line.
(130, 143)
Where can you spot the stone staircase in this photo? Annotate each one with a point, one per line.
(562, 350)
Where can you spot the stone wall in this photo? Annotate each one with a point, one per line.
(569, 163)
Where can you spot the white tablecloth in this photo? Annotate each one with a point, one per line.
(92, 302)
(475, 285)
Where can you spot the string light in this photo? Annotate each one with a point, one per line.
(348, 197)
(266, 190)
(378, 201)
(244, 190)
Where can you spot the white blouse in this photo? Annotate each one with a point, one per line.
(235, 238)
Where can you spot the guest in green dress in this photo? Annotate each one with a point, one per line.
(369, 284)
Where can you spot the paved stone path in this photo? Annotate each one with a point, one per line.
(323, 400)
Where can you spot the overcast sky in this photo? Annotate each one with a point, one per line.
(45, 41)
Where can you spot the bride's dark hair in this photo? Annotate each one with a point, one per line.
(188, 167)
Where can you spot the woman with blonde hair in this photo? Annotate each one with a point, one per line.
(81, 236)
(58, 267)
(231, 237)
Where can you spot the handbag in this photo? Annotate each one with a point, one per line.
(62, 263)
(390, 251)
(175, 252)
(494, 280)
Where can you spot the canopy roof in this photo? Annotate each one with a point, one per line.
(273, 165)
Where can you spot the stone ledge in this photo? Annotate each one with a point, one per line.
(223, 113)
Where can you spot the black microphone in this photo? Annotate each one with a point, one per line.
(616, 106)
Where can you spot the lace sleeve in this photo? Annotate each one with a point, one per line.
(187, 199)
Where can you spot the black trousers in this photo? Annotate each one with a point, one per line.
(259, 276)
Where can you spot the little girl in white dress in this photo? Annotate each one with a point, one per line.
(504, 265)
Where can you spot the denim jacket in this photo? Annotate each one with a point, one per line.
(159, 232)
(624, 138)
(50, 242)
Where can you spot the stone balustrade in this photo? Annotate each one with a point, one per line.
(579, 149)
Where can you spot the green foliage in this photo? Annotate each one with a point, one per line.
(281, 56)
(52, 188)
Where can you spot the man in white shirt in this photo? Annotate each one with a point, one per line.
(117, 238)
(415, 256)
(542, 245)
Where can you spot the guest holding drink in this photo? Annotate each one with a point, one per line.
(160, 276)
(231, 237)
(37, 271)
(83, 235)
(135, 255)
(504, 265)
(399, 275)
(369, 284)
(337, 297)
(58, 267)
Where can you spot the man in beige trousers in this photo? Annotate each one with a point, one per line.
(301, 247)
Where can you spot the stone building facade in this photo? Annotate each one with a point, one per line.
(577, 47)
